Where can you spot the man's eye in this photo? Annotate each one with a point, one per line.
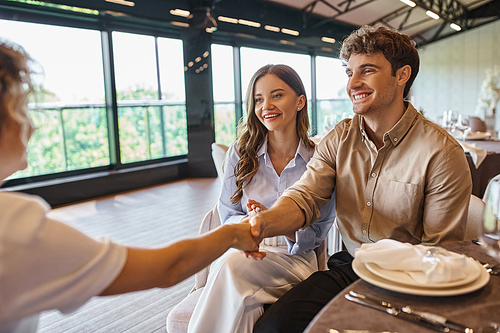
(349, 74)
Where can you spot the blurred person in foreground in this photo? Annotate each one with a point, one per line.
(396, 175)
(46, 264)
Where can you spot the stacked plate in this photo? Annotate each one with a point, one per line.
(399, 281)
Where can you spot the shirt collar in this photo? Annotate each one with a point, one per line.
(302, 151)
(399, 130)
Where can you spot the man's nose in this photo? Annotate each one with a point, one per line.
(354, 82)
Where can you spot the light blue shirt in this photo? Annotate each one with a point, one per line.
(266, 187)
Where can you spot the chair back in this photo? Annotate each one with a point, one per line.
(218, 155)
(477, 124)
(209, 222)
(474, 218)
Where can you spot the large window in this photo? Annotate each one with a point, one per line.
(333, 103)
(223, 90)
(68, 110)
(152, 123)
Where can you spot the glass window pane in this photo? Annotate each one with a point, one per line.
(333, 103)
(71, 123)
(225, 128)
(331, 78)
(253, 59)
(135, 67)
(171, 61)
(223, 73)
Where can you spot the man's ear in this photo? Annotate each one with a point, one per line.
(403, 75)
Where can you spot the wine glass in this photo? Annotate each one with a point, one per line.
(462, 124)
(490, 235)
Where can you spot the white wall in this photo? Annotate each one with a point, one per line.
(453, 69)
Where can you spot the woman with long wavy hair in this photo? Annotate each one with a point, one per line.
(270, 154)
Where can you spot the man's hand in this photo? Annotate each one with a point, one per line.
(256, 224)
(254, 207)
(246, 241)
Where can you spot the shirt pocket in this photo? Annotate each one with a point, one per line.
(401, 202)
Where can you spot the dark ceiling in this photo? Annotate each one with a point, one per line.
(296, 24)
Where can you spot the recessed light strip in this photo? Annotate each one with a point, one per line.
(455, 27)
(180, 12)
(272, 28)
(328, 39)
(289, 32)
(432, 14)
(249, 23)
(408, 2)
(122, 2)
(227, 19)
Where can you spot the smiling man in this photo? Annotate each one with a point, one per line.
(397, 175)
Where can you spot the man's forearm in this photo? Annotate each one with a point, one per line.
(283, 218)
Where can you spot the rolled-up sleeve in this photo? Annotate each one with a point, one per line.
(316, 186)
(449, 185)
(312, 236)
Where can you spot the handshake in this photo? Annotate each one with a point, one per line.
(249, 232)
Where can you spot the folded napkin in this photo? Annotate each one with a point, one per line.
(425, 264)
(478, 154)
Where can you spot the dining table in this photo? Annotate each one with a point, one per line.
(474, 309)
(488, 169)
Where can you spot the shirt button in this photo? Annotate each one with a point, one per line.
(395, 139)
(372, 145)
(374, 175)
(364, 232)
(279, 194)
(368, 203)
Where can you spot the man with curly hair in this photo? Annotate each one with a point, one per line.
(397, 175)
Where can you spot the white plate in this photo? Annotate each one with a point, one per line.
(363, 272)
(472, 273)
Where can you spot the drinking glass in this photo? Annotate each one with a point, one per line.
(490, 236)
(462, 124)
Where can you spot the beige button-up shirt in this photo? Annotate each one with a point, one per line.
(415, 189)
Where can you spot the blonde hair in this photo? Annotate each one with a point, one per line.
(251, 134)
(15, 83)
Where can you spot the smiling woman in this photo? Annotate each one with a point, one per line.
(271, 153)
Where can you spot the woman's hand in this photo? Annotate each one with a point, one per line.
(254, 207)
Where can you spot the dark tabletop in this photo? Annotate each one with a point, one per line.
(473, 309)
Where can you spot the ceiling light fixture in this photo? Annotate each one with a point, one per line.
(432, 14)
(455, 27)
(180, 24)
(122, 2)
(249, 23)
(210, 30)
(271, 28)
(180, 12)
(286, 42)
(206, 54)
(328, 39)
(227, 19)
(409, 3)
(289, 32)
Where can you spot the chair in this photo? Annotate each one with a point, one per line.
(178, 318)
(474, 218)
(218, 155)
(477, 124)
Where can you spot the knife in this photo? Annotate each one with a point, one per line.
(430, 320)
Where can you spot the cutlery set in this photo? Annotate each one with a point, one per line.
(426, 319)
